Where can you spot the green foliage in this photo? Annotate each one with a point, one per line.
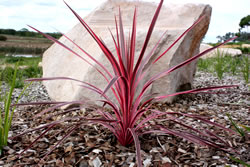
(243, 37)
(237, 128)
(25, 33)
(206, 65)
(239, 161)
(6, 114)
(12, 49)
(31, 71)
(225, 37)
(244, 50)
(7, 76)
(240, 132)
(245, 68)
(3, 38)
(225, 64)
(23, 61)
(245, 21)
(246, 128)
(219, 65)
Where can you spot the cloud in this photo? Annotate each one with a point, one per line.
(9, 3)
(50, 4)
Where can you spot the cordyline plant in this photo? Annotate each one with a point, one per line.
(128, 119)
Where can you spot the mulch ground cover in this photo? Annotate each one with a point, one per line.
(93, 145)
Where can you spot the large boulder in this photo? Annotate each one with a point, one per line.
(245, 45)
(220, 51)
(57, 61)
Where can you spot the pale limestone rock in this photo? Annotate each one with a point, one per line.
(220, 51)
(174, 18)
(245, 45)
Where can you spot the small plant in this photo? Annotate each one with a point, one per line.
(239, 161)
(206, 65)
(203, 65)
(6, 114)
(3, 38)
(219, 66)
(245, 68)
(131, 117)
(237, 128)
(241, 131)
(234, 63)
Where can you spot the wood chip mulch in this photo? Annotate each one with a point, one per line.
(93, 145)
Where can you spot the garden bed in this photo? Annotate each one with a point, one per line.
(96, 146)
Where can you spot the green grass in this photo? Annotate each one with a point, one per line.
(23, 61)
(245, 68)
(219, 65)
(7, 73)
(22, 50)
(225, 64)
(30, 69)
(7, 112)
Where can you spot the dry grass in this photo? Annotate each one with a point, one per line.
(25, 42)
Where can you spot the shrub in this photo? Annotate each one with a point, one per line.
(131, 117)
(31, 71)
(7, 74)
(244, 50)
(3, 38)
(16, 50)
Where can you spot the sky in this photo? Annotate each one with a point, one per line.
(49, 15)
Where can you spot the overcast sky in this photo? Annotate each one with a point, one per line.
(49, 14)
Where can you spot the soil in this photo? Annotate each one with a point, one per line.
(93, 145)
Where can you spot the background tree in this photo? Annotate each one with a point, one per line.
(244, 22)
(227, 36)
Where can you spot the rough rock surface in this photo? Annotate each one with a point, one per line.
(174, 18)
(222, 51)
